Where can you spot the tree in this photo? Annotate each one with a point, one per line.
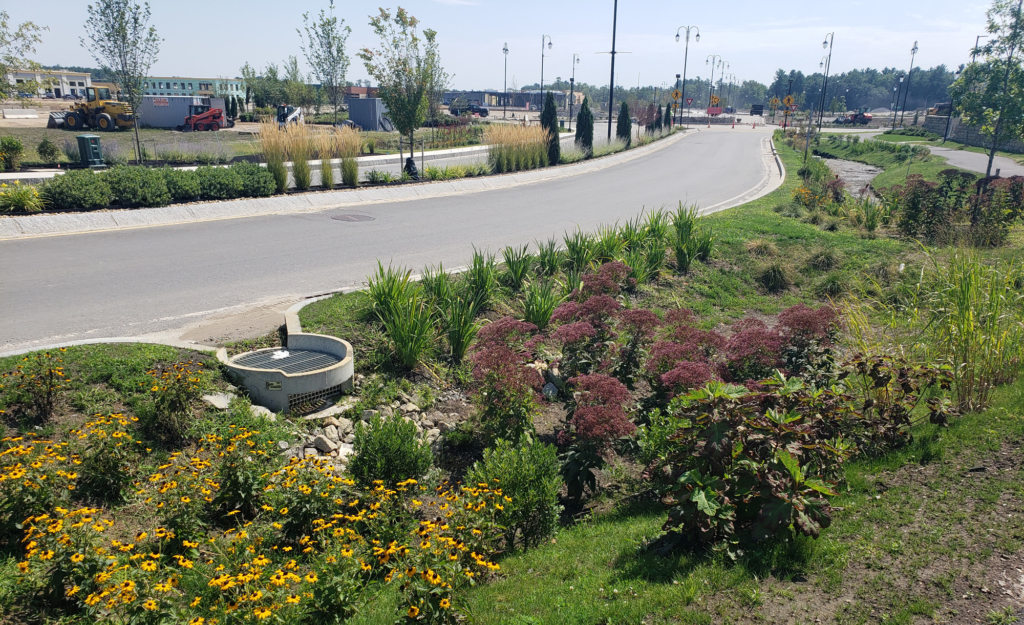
(624, 127)
(400, 69)
(585, 127)
(668, 117)
(549, 121)
(990, 93)
(324, 48)
(657, 119)
(123, 43)
(437, 79)
(15, 46)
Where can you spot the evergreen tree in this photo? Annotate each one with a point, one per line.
(668, 118)
(585, 128)
(624, 127)
(549, 121)
(232, 107)
(657, 119)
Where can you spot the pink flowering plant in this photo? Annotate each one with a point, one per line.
(505, 387)
(597, 418)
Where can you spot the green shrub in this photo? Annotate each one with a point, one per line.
(11, 151)
(137, 186)
(219, 183)
(517, 264)
(388, 450)
(77, 189)
(256, 181)
(48, 151)
(540, 301)
(528, 476)
(458, 324)
(774, 277)
(20, 197)
(350, 172)
(825, 259)
(182, 184)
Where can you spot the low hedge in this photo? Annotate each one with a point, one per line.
(132, 186)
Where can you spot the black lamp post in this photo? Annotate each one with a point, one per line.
(504, 97)
(829, 38)
(542, 92)
(906, 94)
(899, 90)
(686, 58)
(572, 86)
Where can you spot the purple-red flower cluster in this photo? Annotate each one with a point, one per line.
(609, 279)
(600, 415)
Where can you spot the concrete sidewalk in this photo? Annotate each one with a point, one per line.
(72, 223)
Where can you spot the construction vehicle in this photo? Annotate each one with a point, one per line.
(201, 117)
(756, 109)
(861, 117)
(97, 111)
(289, 115)
(940, 108)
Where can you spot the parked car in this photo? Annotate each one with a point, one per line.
(48, 96)
(472, 109)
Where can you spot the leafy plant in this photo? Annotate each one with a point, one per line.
(77, 189)
(480, 278)
(11, 151)
(388, 450)
(174, 390)
(256, 181)
(549, 257)
(34, 386)
(517, 265)
(219, 183)
(409, 325)
(505, 388)
(579, 250)
(375, 176)
(137, 186)
(457, 315)
(47, 151)
(540, 301)
(182, 184)
(20, 197)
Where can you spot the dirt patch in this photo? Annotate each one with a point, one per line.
(857, 176)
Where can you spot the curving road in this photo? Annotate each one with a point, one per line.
(157, 281)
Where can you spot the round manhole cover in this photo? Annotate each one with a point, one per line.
(352, 218)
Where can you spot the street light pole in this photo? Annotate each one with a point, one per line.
(829, 39)
(686, 58)
(713, 58)
(977, 40)
(611, 81)
(504, 99)
(906, 94)
(572, 86)
(899, 90)
(542, 39)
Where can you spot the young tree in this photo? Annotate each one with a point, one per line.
(15, 46)
(667, 122)
(549, 122)
(437, 78)
(585, 127)
(125, 45)
(657, 119)
(623, 126)
(324, 47)
(400, 69)
(990, 93)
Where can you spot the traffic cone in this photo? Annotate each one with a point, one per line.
(734, 123)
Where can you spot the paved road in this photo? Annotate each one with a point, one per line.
(136, 282)
(974, 161)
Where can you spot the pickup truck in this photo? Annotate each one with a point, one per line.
(473, 109)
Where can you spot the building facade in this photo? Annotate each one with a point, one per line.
(202, 87)
(58, 82)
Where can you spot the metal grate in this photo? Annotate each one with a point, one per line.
(296, 361)
(305, 403)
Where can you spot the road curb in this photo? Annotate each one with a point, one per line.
(14, 228)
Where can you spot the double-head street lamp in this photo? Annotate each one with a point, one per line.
(572, 86)
(543, 38)
(711, 60)
(504, 99)
(913, 53)
(686, 57)
(826, 62)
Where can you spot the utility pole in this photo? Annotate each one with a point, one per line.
(542, 92)
(686, 58)
(611, 81)
(714, 58)
(906, 94)
(829, 39)
(572, 86)
(504, 99)
(899, 91)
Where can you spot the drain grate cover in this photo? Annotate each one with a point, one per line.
(352, 218)
(287, 360)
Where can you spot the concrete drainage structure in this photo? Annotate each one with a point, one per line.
(312, 368)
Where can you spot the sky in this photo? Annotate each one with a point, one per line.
(214, 39)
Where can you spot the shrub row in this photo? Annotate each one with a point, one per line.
(131, 187)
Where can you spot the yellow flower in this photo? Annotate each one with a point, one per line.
(150, 605)
(311, 577)
(197, 621)
(262, 613)
(77, 558)
(445, 604)
(194, 603)
(292, 599)
(149, 566)
(413, 611)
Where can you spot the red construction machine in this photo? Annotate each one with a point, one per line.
(201, 117)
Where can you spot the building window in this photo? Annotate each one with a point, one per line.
(189, 85)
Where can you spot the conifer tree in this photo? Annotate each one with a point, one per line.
(668, 117)
(549, 121)
(657, 119)
(624, 127)
(585, 128)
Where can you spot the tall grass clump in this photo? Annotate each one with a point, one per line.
(347, 144)
(402, 309)
(608, 244)
(514, 148)
(324, 144)
(572, 154)
(541, 300)
(437, 283)
(684, 226)
(458, 323)
(518, 261)
(609, 147)
(657, 225)
(549, 257)
(579, 250)
(481, 278)
(274, 149)
(298, 140)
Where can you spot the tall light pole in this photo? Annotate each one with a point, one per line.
(829, 39)
(504, 97)
(572, 86)
(913, 53)
(686, 58)
(899, 90)
(977, 40)
(611, 81)
(711, 60)
(543, 38)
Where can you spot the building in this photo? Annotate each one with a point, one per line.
(58, 82)
(514, 99)
(360, 92)
(201, 87)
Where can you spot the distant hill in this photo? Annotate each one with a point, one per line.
(97, 74)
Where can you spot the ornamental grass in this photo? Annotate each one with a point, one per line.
(514, 148)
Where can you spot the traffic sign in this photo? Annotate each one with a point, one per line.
(675, 105)
(689, 101)
(714, 100)
(774, 102)
(788, 101)
(676, 94)
(792, 107)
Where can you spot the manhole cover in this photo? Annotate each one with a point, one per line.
(352, 218)
(287, 360)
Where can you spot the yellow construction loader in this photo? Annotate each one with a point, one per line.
(99, 111)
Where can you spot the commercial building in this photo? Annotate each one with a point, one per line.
(58, 82)
(515, 99)
(201, 87)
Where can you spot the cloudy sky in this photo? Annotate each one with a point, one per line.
(213, 39)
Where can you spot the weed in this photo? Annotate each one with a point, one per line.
(774, 277)
(761, 248)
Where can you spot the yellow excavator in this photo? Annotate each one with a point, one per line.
(99, 111)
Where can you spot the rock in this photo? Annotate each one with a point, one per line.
(369, 414)
(427, 423)
(444, 426)
(219, 401)
(331, 421)
(310, 452)
(550, 392)
(260, 411)
(344, 426)
(331, 433)
(324, 444)
(344, 451)
(340, 408)
(409, 408)
(433, 435)
(349, 439)
(283, 445)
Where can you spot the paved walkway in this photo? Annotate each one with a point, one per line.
(973, 161)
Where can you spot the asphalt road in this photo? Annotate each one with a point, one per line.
(147, 280)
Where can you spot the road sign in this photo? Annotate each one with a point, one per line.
(774, 102)
(792, 107)
(788, 101)
(714, 100)
(714, 111)
(689, 101)
(676, 94)
(675, 105)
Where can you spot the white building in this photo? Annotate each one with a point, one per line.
(56, 81)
